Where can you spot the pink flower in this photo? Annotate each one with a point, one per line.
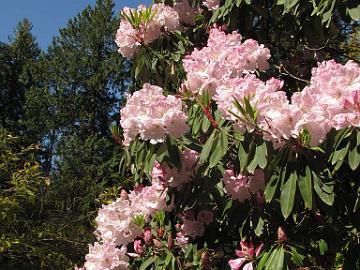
(114, 223)
(236, 186)
(211, 4)
(148, 236)
(152, 115)
(186, 12)
(192, 228)
(247, 255)
(172, 176)
(205, 216)
(138, 247)
(182, 239)
(106, 257)
(129, 37)
(225, 57)
(241, 187)
(257, 181)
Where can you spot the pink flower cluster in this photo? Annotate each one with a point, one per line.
(241, 187)
(173, 177)
(130, 37)
(262, 95)
(115, 220)
(106, 257)
(115, 225)
(246, 255)
(152, 115)
(186, 12)
(224, 66)
(194, 226)
(225, 57)
(330, 101)
(211, 4)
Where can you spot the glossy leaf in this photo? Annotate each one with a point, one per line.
(287, 197)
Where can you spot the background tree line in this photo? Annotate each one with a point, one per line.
(56, 150)
(58, 160)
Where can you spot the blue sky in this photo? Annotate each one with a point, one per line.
(47, 16)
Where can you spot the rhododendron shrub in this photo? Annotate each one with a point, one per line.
(230, 155)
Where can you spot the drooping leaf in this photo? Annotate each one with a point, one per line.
(287, 197)
(306, 186)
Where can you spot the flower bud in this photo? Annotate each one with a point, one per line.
(205, 260)
(281, 235)
(124, 194)
(157, 243)
(160, 232)
(148, 236)
(170, 242)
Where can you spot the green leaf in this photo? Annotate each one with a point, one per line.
(238, 3)
(219, 149)
(306, 187)
(205, 124)
(279, 260)
(174, 152)
(354, 152)
(354, 12)
(340, 154)
(323, 247)
(289, 4)
(323, 190)
(147, 263)
(296, 257)
(272, 260)
(259, 228)
(287, 196)
(261, 155)
(168, 258)
(207, 148)
(357, 202)
(243, 157)
(271, 187)
(264, 257)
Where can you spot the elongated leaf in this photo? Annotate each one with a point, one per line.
(354, 152)
(271, 261)
(259, 228)
(306, 187)
(219, 149)
(324, 191)
(271, 187)
(357, 202)
(296, 257)
(279, 260)
(174, 152)
(354, 12)
(147, 263)
(323, 247)
(287, 196)
(207, 148)
(261, 155)
(340, 154)
(264, 257)
(243, 157)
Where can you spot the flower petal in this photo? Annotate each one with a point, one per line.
(237, 263)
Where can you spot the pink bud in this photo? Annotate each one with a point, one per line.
(281, 235)
(138, 247)
(148, 236)
(170, 242)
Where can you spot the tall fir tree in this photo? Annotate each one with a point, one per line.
(17, 75)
